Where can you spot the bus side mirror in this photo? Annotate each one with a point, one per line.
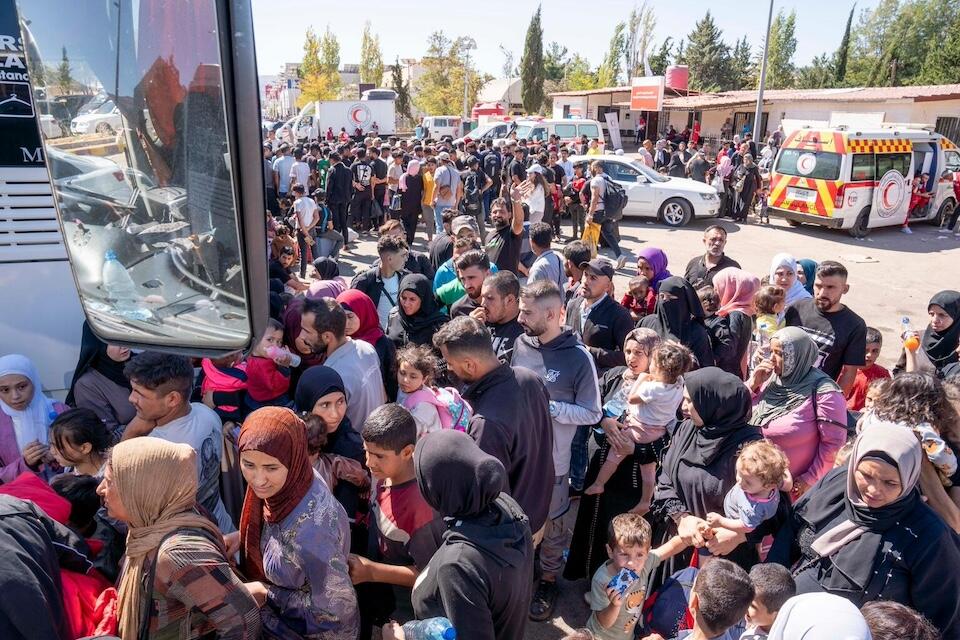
(162, 211)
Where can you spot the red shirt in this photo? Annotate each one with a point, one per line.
(265, 380)
(858, 392)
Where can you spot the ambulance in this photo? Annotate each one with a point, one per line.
(859, 179)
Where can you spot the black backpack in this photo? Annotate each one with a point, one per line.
(471, 192)
(614, 199)
(492, 165)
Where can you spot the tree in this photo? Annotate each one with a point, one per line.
(64, 73)
(608, 75)
(579, 77)
(509, 68)
(403, 103)
(819, 74)
(440, 89)
(782, 46)
(531, 66)
(371, 58)
(660, 60)
(843, 52)
(942, 65)
(330, 60)
(317, 82)
(742, 72)
(640, 27)
(555, 62)
(708, 56)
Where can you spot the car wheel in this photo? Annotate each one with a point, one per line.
(944, 214)
(793, 223)
(675, 212)
(104, 128)
(860, 228)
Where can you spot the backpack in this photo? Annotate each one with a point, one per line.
(454, 411)
(471, 192)
(492, 165)
(614, 199)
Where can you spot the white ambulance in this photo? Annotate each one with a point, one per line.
(859, 179)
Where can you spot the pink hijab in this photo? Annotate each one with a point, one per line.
(735, 288)
(725, 166)
(412, 169)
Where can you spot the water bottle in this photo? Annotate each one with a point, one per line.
(117, 283)
(277, 353)
(617, 405)
(911, 340)
(429, 629)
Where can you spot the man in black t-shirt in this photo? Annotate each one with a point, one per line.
(379, 181)
(504, 241)
(518, 168)
(492, 165)
(840, 334)
(360, 206)
(700, 270)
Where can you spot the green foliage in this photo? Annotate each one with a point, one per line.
(708, 56)
(942, 64)
(782, 46)
(743, 73)
(64, 73)
(608, 75)
(660, 59)
(371, 58)
(555, 61)
(531, 66)
(843, 52)
(403, 104)
(819, 74)
(440, 90)
(579, 76)
(319, 71)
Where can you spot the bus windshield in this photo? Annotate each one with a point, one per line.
(819, 165)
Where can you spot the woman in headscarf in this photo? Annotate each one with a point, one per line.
(747, 176)
(176, 580)
(725, 171)
(783, 273)
(292, 326)
(679, 316)
(819, 616)
(25, 417)
(411, 193)
(735, 289)
(939, 341)
(482, 575)
(328, 284)
(864, 532)
(624, 488)
(416, 317)
(321, 395)
(801, 410)
(364, 324)
(700, 467)
(652, 264)
(99, 383)
(808, 271)
(294, 535)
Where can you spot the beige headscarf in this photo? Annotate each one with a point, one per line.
(156, 481)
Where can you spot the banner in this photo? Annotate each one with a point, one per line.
(613, 126)
(646, 93)
(18, 125)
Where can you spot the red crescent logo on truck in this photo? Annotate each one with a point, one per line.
(360, 115)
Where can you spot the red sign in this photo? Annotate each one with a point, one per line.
(646, 94)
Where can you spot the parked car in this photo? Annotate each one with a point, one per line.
(104, 120)
(672, 201)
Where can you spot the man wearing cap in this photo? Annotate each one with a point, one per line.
(447, 184)
(462, 226)
(504, 241)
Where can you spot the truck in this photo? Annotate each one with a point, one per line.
(316, 118)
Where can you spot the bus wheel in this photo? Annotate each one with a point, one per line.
(944, 214)
(859, 228)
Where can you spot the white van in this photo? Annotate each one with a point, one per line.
(437, 127)
(861, 179)
(568, 129)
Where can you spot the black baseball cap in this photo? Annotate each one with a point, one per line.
(598, 266)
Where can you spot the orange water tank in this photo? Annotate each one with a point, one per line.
(677, 76)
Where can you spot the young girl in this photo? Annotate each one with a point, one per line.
(226, 377)
(640, 300)
(433, 408)
(268, 370)
(769, 302)
(762, 472)
(653, 399)
(81, 441)
(331, 467)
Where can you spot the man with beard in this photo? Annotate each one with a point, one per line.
(840, 334)
(511, 415)
(700, 270)
(473, 268)
(505, 239)
(597, 318)
(324, 329)
(574, 254)
(557, 356)
(499, 308)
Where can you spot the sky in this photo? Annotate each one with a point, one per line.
(583, 27)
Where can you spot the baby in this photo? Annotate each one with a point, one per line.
(762, 471)
(769, 303)
(268, 369)
(636, 301)
(653, 402)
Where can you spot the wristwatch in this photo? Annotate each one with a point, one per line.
(554, 409)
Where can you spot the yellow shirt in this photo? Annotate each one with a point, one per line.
(593, 152)
(428, 184)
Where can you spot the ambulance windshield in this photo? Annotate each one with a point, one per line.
(821, 165)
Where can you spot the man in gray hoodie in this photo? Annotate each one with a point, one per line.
(569, 373)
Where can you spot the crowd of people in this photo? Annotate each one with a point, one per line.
(410, 444)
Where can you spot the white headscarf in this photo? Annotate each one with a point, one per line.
(32, 423)
(796, 291)
(819, 616)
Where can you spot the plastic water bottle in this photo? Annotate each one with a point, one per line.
(911, 340)
(617, 405)
(429, 629)
(276, 353)
(117, 283)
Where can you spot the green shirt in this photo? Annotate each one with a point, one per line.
(633, 599)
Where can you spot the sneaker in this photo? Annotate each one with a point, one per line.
(544, 600)
(907, 231)
(621, 261)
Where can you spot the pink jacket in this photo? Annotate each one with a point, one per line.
(811, 446)
(11, 460)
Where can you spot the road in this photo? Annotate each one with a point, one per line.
(891, 275)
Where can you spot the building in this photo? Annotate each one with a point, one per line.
(936, 106)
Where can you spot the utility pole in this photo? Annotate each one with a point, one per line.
(469, 44)
(758, 114)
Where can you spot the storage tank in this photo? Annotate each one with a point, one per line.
(677, 76)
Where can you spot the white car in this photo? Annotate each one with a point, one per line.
(104, 120)
(673, 201)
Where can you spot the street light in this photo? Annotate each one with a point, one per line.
(763, 78)
(468, 44)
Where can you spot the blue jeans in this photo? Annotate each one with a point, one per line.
(488, 197)
(431, 212)
(579, 457)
